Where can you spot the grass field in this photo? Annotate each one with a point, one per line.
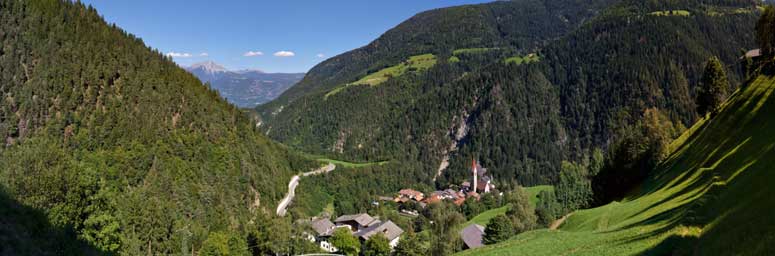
(533, 192)
(484, 217)
(472, 51)
(682, 13)
(415, 63)
(710, 197)
(519, 60)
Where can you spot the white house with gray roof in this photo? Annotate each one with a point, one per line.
(323, 229)
(361, 225)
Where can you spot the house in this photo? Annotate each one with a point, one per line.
(361, 225)
(410, 194)
(752, 54)
(457, 197)
(465, 186)
(435, 197)
(323, 229)
(355, 221)
(459, 201)
(389, 229)
(472, 236)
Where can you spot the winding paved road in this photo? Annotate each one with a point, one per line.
(282, 207)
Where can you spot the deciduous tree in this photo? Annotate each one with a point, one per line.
(377, 245)
(345, 242)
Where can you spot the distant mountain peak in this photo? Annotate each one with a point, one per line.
(208, 66)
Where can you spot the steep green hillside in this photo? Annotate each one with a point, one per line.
(526, 24)
(484, 217)
(113, 141)
(520, 119)
(711, 197)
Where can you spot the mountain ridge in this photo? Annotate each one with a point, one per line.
(245, 88)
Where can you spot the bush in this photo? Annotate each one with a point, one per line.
(377, 245)
(345, 242)
(497, 230)
(522, 213)
(223, 243)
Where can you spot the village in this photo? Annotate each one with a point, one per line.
(364, 226)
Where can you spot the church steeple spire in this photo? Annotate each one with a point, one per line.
(474, 171)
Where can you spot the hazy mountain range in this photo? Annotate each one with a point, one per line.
(244, 88)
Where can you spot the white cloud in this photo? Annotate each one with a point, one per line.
(252, 53)
(320, 55)
(284, 54)
(204, 54)
(179, 55)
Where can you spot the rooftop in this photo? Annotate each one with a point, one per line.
(472, 235)
(322, 226)
(753, 53)
(387, 228)
(362, 219)
(410, 192)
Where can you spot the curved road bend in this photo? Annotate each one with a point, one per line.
(282, 207)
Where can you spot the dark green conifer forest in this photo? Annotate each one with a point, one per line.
(597, 76)
(110, 141)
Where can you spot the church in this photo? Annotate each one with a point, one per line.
(480, 182)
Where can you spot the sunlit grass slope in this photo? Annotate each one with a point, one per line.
(414, 63)
(712, 196)
(484, 217)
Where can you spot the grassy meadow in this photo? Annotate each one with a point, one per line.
(682, 13)
(484, 217)
(472, 51)
(519, 60)
(710, 197)
(414, 63)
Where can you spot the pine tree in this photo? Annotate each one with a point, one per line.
(713, 87)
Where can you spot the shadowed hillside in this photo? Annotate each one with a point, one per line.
(27, 231)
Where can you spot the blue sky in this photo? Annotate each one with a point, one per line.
(261, 34)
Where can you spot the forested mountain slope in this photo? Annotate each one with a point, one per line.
(524, 24)
(712, 196)
(575, 94)
(113, 141)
